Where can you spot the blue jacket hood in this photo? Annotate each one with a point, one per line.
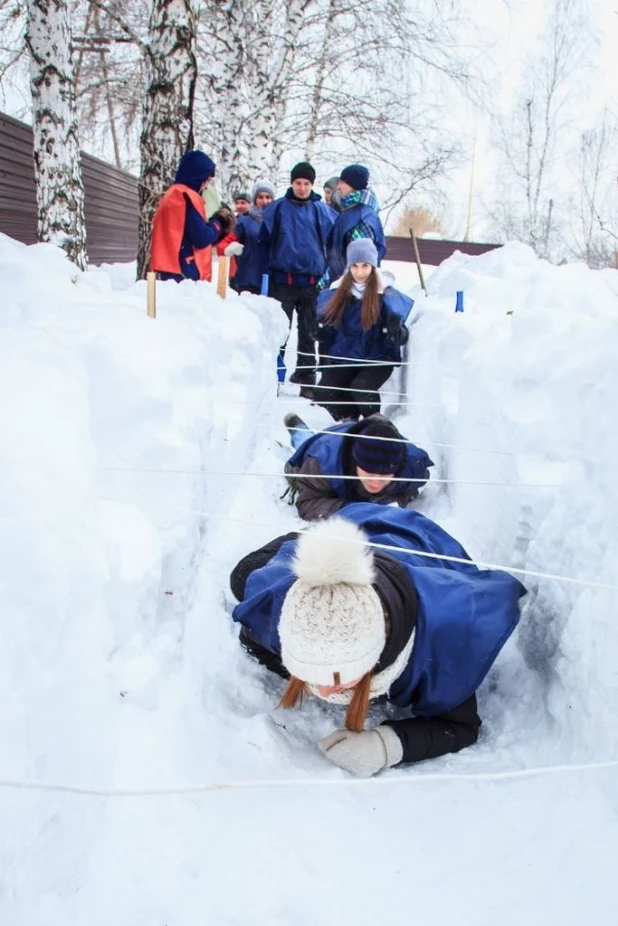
(329, 452)
(194, 168)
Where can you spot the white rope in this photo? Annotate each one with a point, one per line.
(350, 389)
(358, 363)
(279, 475)
(395, 440)
(588, 583)
(353, 360)
(326, 782)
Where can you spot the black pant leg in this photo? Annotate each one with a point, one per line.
(366, 381)
(333, 379)
(307, 326)
(285, 296)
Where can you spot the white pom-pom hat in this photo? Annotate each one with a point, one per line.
(332, 627)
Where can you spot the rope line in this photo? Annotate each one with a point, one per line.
(279, 475)
(515, 570)
(357, 363)
(326, 782)
(396, 440)
(354, 360)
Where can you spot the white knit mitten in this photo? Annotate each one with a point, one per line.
(234, 249)
(363, 754)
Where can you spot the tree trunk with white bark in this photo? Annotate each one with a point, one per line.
(167, 127)
(250, 47)
(57, 166)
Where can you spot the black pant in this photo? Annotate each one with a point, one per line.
(303, 299)
(364, 380)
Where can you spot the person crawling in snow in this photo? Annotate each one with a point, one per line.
(182, 237)
(372, 450)
(361, 329)
(350, 624)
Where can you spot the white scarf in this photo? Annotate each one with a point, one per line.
(380, 683)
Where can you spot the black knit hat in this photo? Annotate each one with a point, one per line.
(379, 456)
(303, 171)
(356, 176)
(242, 194)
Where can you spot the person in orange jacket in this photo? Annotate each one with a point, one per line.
(182, 236)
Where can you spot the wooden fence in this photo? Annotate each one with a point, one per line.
(112, 206)
(111, 201)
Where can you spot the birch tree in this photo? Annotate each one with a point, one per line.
(248, 52)
(534, 137)
(167, 120)
(595, 208)
(60, 192)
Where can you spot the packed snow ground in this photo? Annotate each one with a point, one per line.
(119, 665)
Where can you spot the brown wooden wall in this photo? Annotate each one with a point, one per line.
(112, 207)
(111, 202)
(432, 251)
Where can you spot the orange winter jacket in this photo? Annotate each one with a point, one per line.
(168, 229)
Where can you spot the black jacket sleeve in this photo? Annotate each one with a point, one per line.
(430, 737)
(252, 561)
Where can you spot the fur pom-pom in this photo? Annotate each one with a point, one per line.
(333, 552)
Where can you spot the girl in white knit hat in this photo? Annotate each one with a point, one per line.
(349, 624)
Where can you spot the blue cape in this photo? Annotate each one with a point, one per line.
(328, 451)
(464, 615)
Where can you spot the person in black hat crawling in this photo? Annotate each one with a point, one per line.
(372, 453)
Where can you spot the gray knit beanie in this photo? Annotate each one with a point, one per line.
(262, 186)
(361, 251)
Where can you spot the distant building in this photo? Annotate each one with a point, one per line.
(432, 251)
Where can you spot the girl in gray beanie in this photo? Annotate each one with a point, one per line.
(251, 262)
(361, 329)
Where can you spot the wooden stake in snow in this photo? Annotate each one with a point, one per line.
(417, 257)
(151, 298)
(224, 269)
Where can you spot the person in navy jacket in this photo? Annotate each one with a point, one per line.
(350, 624)
(372, 450)
(251, 262)
(358, 219)
(295, 230)
(361, 327)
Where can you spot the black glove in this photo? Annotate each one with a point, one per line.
(226, 219)
(396, 331)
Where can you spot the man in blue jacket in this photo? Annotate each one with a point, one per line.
(295, 230)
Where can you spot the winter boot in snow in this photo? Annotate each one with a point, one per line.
(298, 430)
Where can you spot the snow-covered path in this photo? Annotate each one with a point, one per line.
(119, 664)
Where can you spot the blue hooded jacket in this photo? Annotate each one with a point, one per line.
(328, 450)
(350, 340)
(464, 614)
(296, 232)
(252, 263)
(363, 215)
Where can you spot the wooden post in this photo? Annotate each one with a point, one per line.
(224, 269)
(151, 299)
(418, 260)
